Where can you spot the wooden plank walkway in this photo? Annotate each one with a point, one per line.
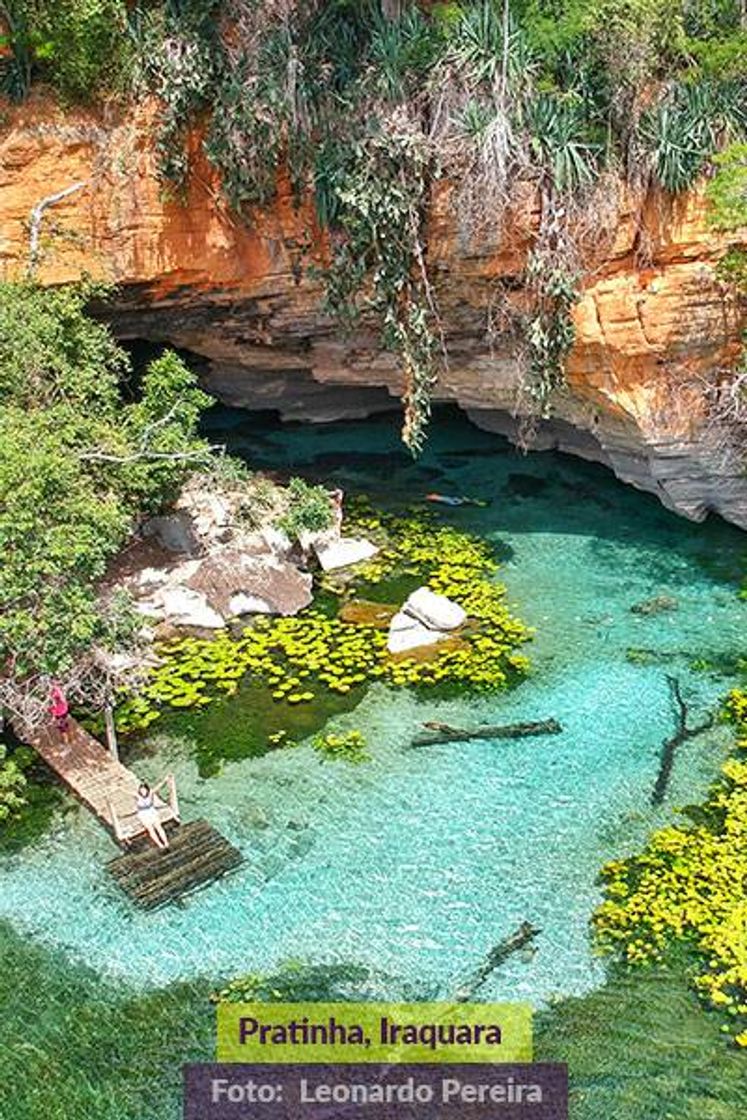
(103, 784)
(150, 876)
(153, 877)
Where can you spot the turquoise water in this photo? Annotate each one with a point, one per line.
(419, 862)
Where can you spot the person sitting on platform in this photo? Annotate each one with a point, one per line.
(147, 812)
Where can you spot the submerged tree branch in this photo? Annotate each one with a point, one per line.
(669, 746)
(444, 733)
(522, 935)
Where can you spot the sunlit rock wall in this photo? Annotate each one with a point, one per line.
(652, 322)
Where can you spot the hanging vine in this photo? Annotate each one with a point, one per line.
(378, 200)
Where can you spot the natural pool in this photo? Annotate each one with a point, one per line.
(418, 862)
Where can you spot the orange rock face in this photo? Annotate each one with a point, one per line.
(652, 319)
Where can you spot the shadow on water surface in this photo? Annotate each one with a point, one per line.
(546, 492)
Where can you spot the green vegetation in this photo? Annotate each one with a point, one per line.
(79, 463)
(309, 510)
(12, 785)
(77, 1046)
(641, 1048)
(79, 46)
(41, 798)
(366, 105)
(728, 197)
(345, 746)
(688, 886)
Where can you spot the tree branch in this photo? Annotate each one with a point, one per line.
(37, 215)
(136, 456)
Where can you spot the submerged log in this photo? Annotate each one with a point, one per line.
(669, 746)
(444, 733)
(521, 936)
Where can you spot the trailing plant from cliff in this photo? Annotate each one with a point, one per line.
(549, 328)
(176, 48)
(378, 268)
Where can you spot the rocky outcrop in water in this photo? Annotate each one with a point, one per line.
(653, 319)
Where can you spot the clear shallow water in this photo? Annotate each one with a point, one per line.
(417, 863)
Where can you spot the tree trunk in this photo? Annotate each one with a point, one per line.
(443, 733)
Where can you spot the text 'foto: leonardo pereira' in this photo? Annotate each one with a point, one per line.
(507, 1090)
(301, 1032)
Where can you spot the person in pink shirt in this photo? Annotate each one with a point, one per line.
(60, 709)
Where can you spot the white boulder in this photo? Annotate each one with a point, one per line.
(424, 619)
(434, 611)
(241, 603)
(406, 632)
(183, 606)
(343, 551)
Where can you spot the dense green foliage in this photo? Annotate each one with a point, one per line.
(12, 785)
(78, 45)
(369, 103)
(309, 509)
(728, 197)
(79, 464)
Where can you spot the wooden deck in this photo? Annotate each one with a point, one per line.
(153, 877)
(103, 784)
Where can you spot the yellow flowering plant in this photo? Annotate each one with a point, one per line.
(690, 885)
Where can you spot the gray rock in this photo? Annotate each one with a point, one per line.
(175, 532)
(233, 583)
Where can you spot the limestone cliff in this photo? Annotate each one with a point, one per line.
(652, 320)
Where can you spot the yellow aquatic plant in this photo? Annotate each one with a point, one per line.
(299, 656)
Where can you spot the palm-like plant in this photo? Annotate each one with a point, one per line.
(688, 126)
(400, 50)
(562, 141)
(486, 47)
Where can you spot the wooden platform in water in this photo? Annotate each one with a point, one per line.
(99, 780)
(152, 877)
